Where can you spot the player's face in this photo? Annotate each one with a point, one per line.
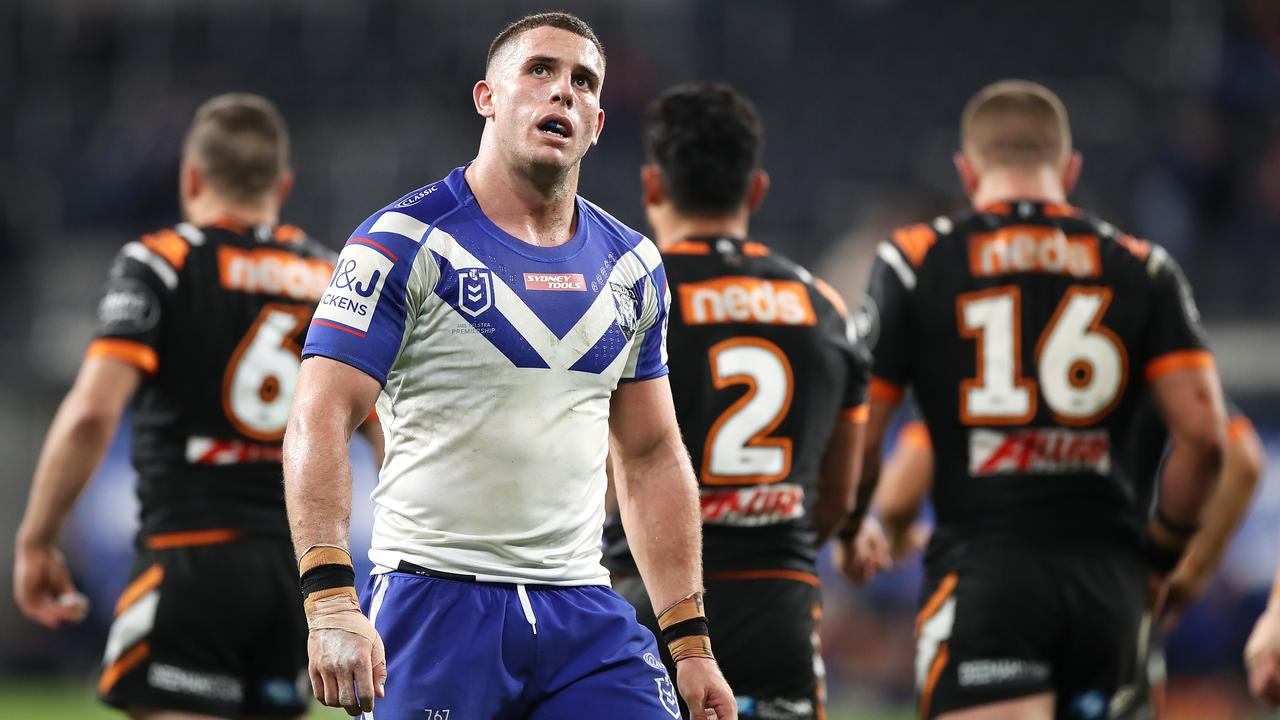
(546, 99)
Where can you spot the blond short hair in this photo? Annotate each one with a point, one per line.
(1015, 123)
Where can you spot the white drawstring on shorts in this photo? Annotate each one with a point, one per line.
(528, 608)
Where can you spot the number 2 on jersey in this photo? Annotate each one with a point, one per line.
(738, 450)
(1081, 365)
(257, 388)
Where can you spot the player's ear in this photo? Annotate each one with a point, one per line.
(1071, 172)
(652, 192)
(284, 186)
(757, 188)
(482, 96)
(967, 172)
(599, 127)
(190, 181)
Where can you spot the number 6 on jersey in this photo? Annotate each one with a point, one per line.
(257, 389)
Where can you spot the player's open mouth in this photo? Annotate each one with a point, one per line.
(558, 127)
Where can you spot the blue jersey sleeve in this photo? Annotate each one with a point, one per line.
(369, 305)
(648, 357)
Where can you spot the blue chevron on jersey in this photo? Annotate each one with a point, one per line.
(498, 359)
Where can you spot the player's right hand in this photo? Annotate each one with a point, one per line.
(702, 685)
(346, 659)
(865, 555)
(43, 589)
(1262, 657)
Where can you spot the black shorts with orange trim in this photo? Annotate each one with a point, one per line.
(210, 623)
(764, 630)
(1003, 618)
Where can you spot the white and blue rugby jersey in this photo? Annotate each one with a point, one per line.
(497, 360)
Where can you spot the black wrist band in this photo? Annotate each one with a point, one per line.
(852, 524)
(1161, 558)
(323, 577)
(1177, 529)
(687, 628)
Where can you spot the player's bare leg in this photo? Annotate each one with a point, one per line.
(1034, 707)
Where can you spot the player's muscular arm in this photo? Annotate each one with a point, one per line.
(77, 441)
(658, 499)
(841, 464)
(331, 401)
(858, 558)
(1190, 401)
(877, 423)
(656, 490)
(1241, 469)
(346, 660)
(904, 482)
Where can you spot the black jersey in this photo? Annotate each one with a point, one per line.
(762, 366)
(1029, 332)
(215, 318)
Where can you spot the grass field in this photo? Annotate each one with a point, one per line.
(52, 701)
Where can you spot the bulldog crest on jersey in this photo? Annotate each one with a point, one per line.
(626, 304)
(475, 291)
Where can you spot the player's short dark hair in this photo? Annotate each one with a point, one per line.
(705, 139)
(559, 20)
(1016, 123)
(241, 144)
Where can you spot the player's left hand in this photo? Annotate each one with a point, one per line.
(1183, 587)
(703, 686)
(1262, 657)
(865, 555)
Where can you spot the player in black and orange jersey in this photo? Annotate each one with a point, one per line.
(200, 326)
(770, 394)
(1030, 332)
(908, 472)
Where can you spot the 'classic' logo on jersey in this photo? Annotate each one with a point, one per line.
(746, 300)
(562, 282)
(414, 198)
(475, 291)
(1039, 450)
(355, 287)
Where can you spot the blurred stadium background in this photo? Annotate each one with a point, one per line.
(1175, 105)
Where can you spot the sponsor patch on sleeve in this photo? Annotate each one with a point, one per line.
(355, 288)
(128, 307)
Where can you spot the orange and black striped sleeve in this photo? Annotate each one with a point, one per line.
(1174, 338)
(141, 284)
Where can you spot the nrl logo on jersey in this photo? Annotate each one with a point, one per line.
(626, 304)
(475, 291)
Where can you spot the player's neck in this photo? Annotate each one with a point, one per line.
(536, 212)
(207, 211)
(671, 228)
(1042, 184)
